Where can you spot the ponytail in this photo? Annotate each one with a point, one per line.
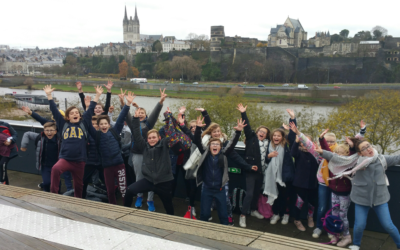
(357, 141)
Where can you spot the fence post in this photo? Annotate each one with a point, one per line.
(65, 104)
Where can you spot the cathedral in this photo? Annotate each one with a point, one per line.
(131, 28)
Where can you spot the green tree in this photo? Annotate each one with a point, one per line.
(344, 33)
(377, 34)
(157, 46)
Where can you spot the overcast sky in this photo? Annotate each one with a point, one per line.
(50, 23)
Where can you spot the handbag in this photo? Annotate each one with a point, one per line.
(189, 214)
(264, 208)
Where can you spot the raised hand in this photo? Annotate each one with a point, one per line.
(293, 127)
(362, 124)
(111, 109)
(26, 110)
(181, 120)
(199, 122)
(121, 97)
(324, 133)
(99, 90)
(129, 98)
(79, 86)
(169, 111)
(87, 101)
(241, 108)
(254, 168)
(285, 126)
(291, 113)
(350, 142)
(273, 154)
(319, 150)
(163, 96)
(109, 86)
(199, 109)
(48, 90)
(240, 125)
(297, 139)
(136, 113)
(182, 110)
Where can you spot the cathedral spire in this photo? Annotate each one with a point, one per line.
(126, 15)
(136, 16)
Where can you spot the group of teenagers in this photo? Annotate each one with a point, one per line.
(129, 154)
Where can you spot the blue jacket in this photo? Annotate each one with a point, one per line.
(93, 157)
(74, 142)
(108, 148)
(212, 172)
(14, 135)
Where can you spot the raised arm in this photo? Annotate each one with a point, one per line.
(34, 115)
(26, 138)
(108, 98)
(81, 94)
(111, 114)
(247, 129)
(207, 118)
(322, 141)
(137, 136)
(53, 108)
(197, 134)
(292, 119)
(306, 142)
(125, 110)
(181, 121)
(392, 160)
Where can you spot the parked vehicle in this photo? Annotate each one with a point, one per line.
(261, 86)
(302, 86)
(240, 85)
(196, 83)
(139, 80)
(181, 83)
(336, 87)
(285, 85)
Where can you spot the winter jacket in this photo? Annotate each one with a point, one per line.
(106, 106)
(74, 141)
(41, 151)
(14, 135)
(306, 167)
(108, 147)
(126, 136)
(146, 125)
(203, 167)
(287, 165)
(369, 187)
(93, 157)
(156, 166)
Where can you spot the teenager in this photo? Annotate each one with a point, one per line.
(146, 124)
(66, 175)
(47, 149)
(212, 171)
(99, 109)
(279, 173)
(369, 185)
(109, 148)
(8, 149)
(255, 154)
(156, 167)
(73, 152)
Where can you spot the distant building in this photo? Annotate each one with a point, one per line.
(114, 49)
(289, 35)
(175, 45)
(131, 28)
(219, 40)
(320, 39)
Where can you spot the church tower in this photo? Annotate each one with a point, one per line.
(131, 28)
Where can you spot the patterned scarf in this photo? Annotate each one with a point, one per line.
(263, 150)
(273, 174)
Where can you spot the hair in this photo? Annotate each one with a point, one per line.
(103, 117)
(94, 118)
(279, 130)
(214, 139)
(356, 141)
(140, 108)
(345, 147)
(66, 117)
(330, 134)
(189, 123)
(210, 129)
(50, 124)
(264, 127)
(102, 106)
(151, 131)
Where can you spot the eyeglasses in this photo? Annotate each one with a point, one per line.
(367, 147)
(262, 132)
(49, 131)
(331, 142)
(215, 144)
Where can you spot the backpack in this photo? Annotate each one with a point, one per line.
(178, 141)
(332, 224)
(6, 131)
(238, 195)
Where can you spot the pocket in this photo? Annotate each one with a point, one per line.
(360, 189)
(250, 160)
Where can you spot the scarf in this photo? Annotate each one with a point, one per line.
(348, 165)
(263, 151)
(273, 174)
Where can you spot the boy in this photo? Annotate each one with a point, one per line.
(8, 149)
(47, 149)
(212, 171)
(109, 148)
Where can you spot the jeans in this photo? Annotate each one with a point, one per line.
(207, 196)
(382, 211)
(324, 203)
(68, 180)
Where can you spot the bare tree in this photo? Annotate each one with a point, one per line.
(184, 65)
(381, 31)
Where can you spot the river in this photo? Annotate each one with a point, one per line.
(149, 102)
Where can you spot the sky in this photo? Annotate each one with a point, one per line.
(73, 23)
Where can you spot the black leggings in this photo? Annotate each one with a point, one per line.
(281, 205)
(254, 183)
(306, 197)
(163, 190)
(3, 170)
(87, 176)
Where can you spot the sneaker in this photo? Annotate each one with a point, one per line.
(242, 221)
(354, 247)
(334, 240)
(193, 211)
(274, 219)
(151, 206)
(317, 232)
(138, 203)
(210, 219)
(231, 222)
(299, 225)
(256, 214)
(346, 240)
(285, 219)
(40, 185)
(310, 222)
(330, 236)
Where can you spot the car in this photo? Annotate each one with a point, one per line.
(245, 82)
(302, 86)
(240, 85)
(196, 83)
(166, 82)
(181, 83)
(336, 87)
(285, 85)
(261, 86)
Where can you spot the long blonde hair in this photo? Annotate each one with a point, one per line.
(210, 129)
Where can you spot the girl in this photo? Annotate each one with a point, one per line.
(255, 153)
(8, 148)
(369, 186)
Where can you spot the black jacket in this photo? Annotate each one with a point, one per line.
(156, 166)
(306, 168)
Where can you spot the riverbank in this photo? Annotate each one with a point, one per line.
(201, 95)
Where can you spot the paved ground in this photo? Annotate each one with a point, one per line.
(371, 240)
